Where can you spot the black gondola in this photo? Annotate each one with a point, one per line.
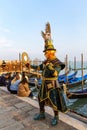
(77, 94)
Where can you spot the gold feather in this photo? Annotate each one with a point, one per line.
(47, 34)
(48, 28)
(43, 34)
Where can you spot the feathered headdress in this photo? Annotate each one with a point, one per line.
(47, 34)
(47, 38)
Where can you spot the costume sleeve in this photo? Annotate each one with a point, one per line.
(34, 67)
(53, 69)
(39, 67)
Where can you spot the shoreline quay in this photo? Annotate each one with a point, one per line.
(21, 110)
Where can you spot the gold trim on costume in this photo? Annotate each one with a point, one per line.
(54, 106)
(54, 78)
(55, 73)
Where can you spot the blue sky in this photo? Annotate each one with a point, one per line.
(21, 22)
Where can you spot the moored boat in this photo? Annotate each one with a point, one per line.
(74, 94)
(76, 81)
(66, 78)
(77, 94)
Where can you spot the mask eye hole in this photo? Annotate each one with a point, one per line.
(46, 52)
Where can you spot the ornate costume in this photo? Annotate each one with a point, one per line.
(50, 89)
(50, 92)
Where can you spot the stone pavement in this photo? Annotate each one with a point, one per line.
(16, 114)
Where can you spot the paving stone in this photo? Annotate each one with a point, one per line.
(16, 114)
(15, 126)
(27, 108)
(6, 116)
(20, 105)
(6, 122)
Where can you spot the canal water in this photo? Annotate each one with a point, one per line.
(79, 105)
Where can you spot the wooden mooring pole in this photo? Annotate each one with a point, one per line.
(66, 68)
(82, 70)
(74, 63)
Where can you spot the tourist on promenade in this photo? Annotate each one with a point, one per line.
(5, 79)
(50, 92)
(23, 89)
(14, 83)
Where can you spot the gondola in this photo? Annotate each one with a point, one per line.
(65, 78)
(77, 94)
(63, 75)
(76, 81)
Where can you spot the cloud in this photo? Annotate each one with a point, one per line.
(5, 42)
(6, 30)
